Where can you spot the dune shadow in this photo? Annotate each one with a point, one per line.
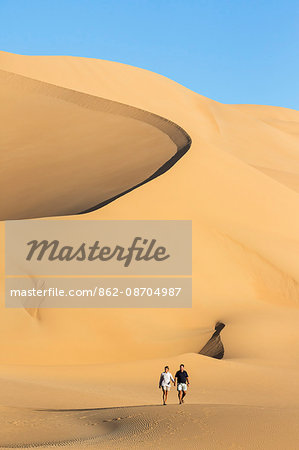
(214, 347)
(110, 408)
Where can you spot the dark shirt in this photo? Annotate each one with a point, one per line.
(181, 376)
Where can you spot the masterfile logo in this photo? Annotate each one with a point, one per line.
(91, 263)
(140, 250)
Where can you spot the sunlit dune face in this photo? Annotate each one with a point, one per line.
(64, 152)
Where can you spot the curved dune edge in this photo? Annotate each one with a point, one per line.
(119, 81)
(155, 162)
(245, 272)
(245, 227)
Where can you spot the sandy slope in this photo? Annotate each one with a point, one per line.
(229, 405)
(238, 183)
(194, 426)
(62, 125)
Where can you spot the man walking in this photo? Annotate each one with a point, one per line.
(182, 380)
(164, 383)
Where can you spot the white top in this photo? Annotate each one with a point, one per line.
(165, 379)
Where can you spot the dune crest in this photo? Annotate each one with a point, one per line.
(123, 148)
(238, 184)
(245, 223)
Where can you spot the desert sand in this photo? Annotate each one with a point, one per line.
(89, 378)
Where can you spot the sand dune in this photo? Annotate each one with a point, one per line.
(239, 185)
(56, 126)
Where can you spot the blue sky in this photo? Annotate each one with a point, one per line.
(234, 51)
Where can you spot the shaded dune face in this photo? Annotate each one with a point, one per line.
(65, 152)
(244, 222)
(214, 347)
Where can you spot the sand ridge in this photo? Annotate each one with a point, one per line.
(238, 184)
(48, 148)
